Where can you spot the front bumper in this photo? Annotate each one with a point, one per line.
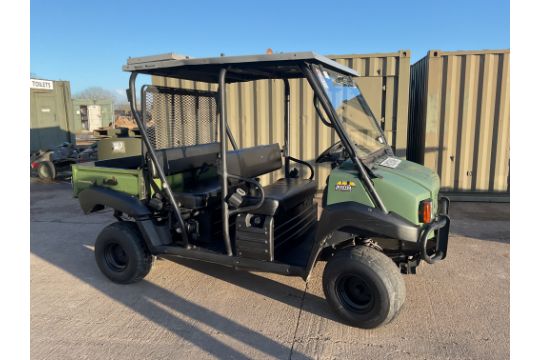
(441, 226)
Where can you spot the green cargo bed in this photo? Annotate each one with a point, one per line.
(122, 174)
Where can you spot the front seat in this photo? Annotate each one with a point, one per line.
(290, 192)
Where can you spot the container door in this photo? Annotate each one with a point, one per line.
(83, 112)
(94, 117)
(46, 132)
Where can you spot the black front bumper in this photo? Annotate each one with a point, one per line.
(441, 226)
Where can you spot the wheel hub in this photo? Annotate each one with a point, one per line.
(116, 257)
(355, 293)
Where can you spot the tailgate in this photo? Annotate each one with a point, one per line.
(129, 181)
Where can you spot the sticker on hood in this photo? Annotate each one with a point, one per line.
(390, 162)
(343, 185)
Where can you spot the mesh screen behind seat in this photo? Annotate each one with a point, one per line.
(179, 117)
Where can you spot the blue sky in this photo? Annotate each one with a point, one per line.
(87, 42)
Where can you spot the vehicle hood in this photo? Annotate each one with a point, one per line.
(404, 186)
(411, 171)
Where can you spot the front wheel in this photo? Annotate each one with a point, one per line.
(363, 286)
(121, 253)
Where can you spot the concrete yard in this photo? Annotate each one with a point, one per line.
(456, 309)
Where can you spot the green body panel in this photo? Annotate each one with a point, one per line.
(357, 193)
(129, 181)
(401, 189)
(411, 178)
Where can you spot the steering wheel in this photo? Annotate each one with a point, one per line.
(335, 153)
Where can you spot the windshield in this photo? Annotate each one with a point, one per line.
(353, 111)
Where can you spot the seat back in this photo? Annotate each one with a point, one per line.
(254, 161)
(248, 162)
(185, 158)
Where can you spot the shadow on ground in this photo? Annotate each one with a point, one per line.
(261, 285)
(153, 302)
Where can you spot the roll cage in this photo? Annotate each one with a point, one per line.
(226, 70)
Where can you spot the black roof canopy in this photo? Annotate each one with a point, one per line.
(240, 68)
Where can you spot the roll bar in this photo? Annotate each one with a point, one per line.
(287, 120)
(224, 132)
(181, 227)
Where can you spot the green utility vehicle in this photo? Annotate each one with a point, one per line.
(193, 193)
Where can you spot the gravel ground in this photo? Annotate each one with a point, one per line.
(457, 309)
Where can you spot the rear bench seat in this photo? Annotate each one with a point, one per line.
(186, 159)
(248, 163)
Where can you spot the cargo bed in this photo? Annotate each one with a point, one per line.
(121, 174)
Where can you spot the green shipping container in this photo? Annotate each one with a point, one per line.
(459, 122)
(51, 114)
(92, 114)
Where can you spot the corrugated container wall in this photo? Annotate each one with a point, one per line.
(459, 121)
(51, 116)
(255, 110)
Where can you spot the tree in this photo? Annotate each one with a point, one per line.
(97, 93)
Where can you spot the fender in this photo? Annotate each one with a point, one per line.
(96, 198)
(361, 220)
(365, 221)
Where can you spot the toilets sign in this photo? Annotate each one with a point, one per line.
(41, 84)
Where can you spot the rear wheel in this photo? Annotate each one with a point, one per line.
(363, 286)
(46, 170)
(121, 253)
